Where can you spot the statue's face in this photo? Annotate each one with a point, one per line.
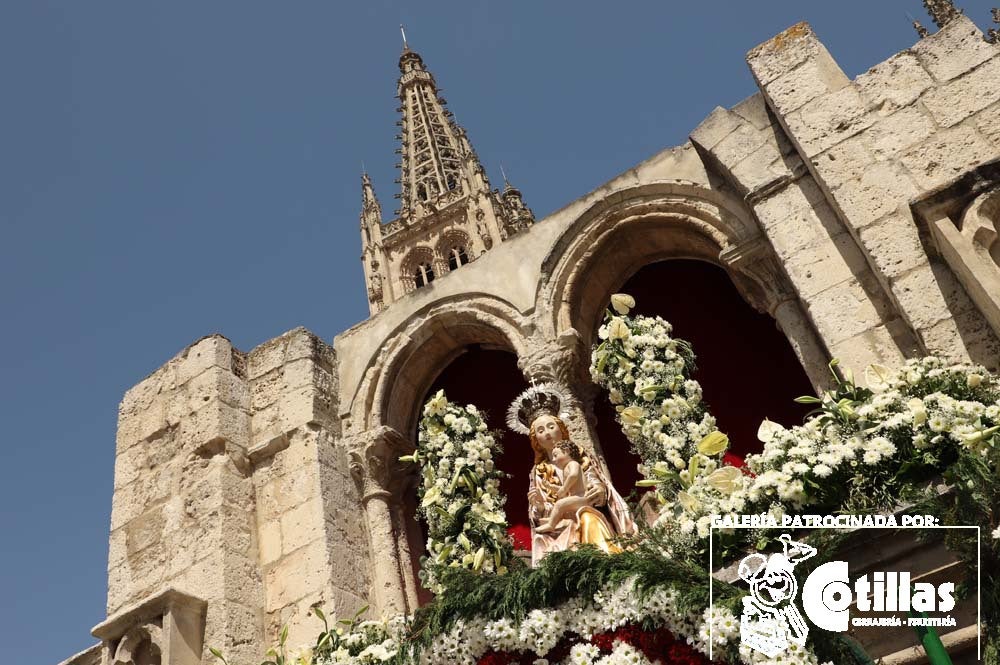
(547, 431)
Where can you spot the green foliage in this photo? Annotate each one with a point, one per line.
(332, 639)
(562, 576)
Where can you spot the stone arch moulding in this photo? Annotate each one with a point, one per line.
(451, 239)
(148, 636)
(388, 403)
(422, 347)
(416, 256)
(634, 227)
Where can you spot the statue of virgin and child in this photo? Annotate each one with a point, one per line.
(571, 501)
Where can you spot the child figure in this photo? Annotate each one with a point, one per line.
(567, 456)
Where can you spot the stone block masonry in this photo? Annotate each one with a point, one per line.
(229, 487)
(906, 127)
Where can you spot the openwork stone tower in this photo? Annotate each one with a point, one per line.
(448, 215)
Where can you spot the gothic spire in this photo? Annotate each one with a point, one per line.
(435, 152)
(519, 216)
(942, 11)
(449, 214)
(918, 26)
(371, 211)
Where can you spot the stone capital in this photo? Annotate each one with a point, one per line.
(561, 360)
(375, 466)
(757, 274)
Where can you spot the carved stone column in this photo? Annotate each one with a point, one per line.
(409, 539)
(376, 470)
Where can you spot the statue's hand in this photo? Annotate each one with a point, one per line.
(595, 494)
(535, 499)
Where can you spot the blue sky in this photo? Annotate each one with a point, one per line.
(176, 169)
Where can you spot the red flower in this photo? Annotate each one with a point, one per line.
(498, 658)
(521, 535)
(604, 641)
(560, 651)
(732, 459)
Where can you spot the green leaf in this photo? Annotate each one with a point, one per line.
(648, 482)
(443, 554)
(808, 399)
(218, 654)
(694, 465)
(357, 615)
(284, 635)
(480, 557)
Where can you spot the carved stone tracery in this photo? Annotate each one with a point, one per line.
(758, 275)
(980, 224)
(375, 466)
(443, 187)
(942, 12)
(142, 645)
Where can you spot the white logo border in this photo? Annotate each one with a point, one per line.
(979, 568)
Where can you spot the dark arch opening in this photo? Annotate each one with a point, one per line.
(745, 364)
(491, 380)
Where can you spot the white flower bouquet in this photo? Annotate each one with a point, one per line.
(460, 497)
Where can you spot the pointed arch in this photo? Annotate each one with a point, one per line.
(418, 268)
(455, 249)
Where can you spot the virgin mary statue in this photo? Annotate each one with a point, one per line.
(598, 513)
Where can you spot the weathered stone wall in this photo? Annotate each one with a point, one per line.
(229, 487)
(265, 483)
(862, 151)
(183, 510)
(312, 549)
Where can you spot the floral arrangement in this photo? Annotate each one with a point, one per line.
(640, 612)
(356, 642)
(862, 449)
(618, 626)
(865, 449)
(606, 630)
(647, 373)
(659, 406)
(460, 498)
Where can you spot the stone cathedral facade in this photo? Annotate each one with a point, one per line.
(860, 215)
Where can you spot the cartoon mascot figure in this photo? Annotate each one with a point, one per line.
(770, 620)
